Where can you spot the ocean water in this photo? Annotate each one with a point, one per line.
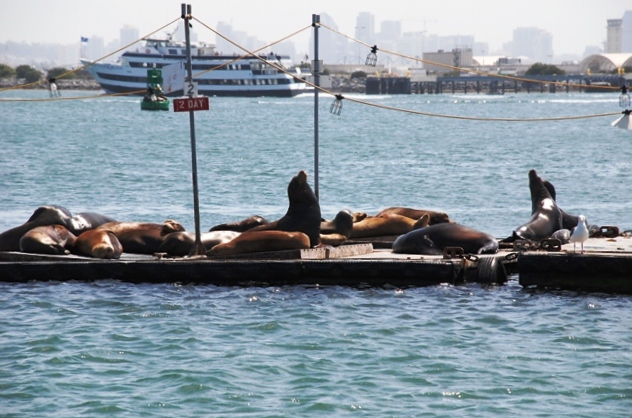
(114, 349)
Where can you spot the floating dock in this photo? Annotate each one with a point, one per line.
(606, 266)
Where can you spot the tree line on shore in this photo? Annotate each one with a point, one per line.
(32, 75)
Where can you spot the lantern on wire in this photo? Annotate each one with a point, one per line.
(336, 105)
(624, 122)
(371, 59)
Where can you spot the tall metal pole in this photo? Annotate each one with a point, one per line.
(316, 73)
(199, 248)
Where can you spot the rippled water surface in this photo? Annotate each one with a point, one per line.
(107, 348)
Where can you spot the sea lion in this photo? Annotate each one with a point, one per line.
(241, 226)
(98, 243)
(341, 224)
(182, 243)
(47, 239)
(43, 215)
(435, 217)
(373, 226)
(84, 221)
(139, 237)
(546, 217)
(568, 221)
(432, 240)
(303, 214)
(261, 241)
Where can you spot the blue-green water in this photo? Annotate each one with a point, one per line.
(114, 349)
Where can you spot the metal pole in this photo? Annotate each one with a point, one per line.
(316, 72)
(199, 248)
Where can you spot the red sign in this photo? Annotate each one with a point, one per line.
(190, 103)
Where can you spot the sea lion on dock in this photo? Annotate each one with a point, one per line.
(338, 230)
(98, 243)
(241, 226)
(568, 221)
(42, 216)
(432, 240)
(546, 217)
(303, 214)
(84, 221)
(182, 243)
(139, 237)
(47, 239)
(261, 241)
(373, 226)
(435, 217)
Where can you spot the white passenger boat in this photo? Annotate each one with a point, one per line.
(250, 76)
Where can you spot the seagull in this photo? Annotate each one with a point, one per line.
(580, 233)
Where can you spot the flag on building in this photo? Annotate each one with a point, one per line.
(84, 39)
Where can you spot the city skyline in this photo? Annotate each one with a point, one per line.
(572, 26)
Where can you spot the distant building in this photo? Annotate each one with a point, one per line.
(457, 58)
(332, 47)
(536, 44)
(626, 35)
(365, 28)
(614, 36)
(128, 34)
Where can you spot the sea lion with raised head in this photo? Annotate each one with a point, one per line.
(433, 239)
(47, 239)
(303, 213)
(546, 217)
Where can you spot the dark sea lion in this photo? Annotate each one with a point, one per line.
(182, 243)
(568, 221)
(84, 221)
(303, 214)
(241, 226)
(98, 243)
(435, 217)
(373, 226)
(546, 217)
(43, 215)
(47, 239)
(262, 241)
(139, 237)
(432, 240)
(341, 224)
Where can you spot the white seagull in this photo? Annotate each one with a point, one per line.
(580, 233)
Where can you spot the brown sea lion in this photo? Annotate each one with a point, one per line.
(432, 239)
(139, 237)
(182, 243)
(303, 214)
(261, 241)
(47, 239)
(98, 243)
(241, 226)
(373, 226)
(435, 217)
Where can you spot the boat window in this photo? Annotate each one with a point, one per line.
(173, 51)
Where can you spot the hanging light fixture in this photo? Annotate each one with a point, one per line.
(336, 105)
(371, 59)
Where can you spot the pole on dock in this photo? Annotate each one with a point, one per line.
(316, 73)
(199, 248)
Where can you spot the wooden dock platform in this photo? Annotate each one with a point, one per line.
(606, 266)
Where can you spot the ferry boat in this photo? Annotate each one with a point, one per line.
(250, 76)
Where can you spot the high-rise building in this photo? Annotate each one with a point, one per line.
(626, 33)
(534, 44)
(332, 48)
(365, 28)
(128, 34)
(614, 36)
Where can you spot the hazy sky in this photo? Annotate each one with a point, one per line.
(574, 24)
